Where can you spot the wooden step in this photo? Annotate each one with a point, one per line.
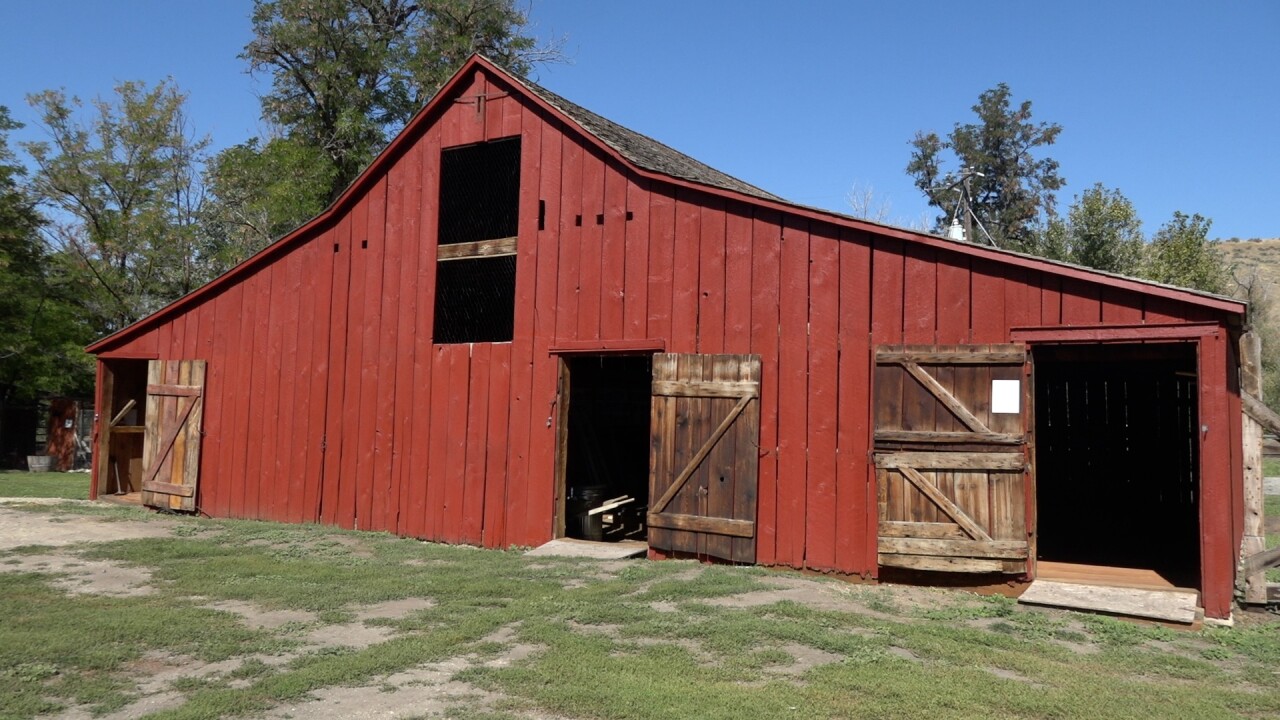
(1179, 606)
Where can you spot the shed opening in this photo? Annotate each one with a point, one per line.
(606, 451)
(1118, 457)
(122, 425)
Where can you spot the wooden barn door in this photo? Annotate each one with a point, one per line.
(704, 454)
(950, 456)
(171, 443)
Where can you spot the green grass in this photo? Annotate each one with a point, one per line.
(1271, 467)
(640, 641)
(71, 486)
(59, 647)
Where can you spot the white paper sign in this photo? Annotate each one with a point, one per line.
(1006, 396)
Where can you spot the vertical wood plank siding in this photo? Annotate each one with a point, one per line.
(327, 400)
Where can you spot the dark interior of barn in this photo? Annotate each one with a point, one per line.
(607, 449)
(1117, 457)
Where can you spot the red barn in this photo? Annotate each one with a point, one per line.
(522, 310)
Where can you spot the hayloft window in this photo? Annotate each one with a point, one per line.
(476, 258)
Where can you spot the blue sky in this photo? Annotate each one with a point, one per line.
(1177, 104)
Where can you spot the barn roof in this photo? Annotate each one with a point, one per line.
(649, 157)
(643, 150)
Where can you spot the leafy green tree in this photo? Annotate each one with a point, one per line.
(1102, 230)
(258, 193)
(1181, 254)
(125, 194)
(41, 333)
(1013, 192)
(346, 76)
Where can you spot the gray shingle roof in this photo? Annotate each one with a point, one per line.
(644, 151)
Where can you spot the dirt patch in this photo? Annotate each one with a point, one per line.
(141, 707)
(802, 591)
(601, 629)
(904, 654)
(394, 609)
(1011, 675)
(690, 573)
(260, 618)
(515, 652)
(806, 659)
(1079, 648)
(158, 670)
(693, 646)
(86, 577)
(18, 528)
(427, 691)
(353, 635)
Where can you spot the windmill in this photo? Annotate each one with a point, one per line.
(963, 218)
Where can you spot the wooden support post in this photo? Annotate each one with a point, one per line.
(1253, 587)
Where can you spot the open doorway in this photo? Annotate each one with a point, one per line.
(1118, 459)
(122, 429)
(606, 450)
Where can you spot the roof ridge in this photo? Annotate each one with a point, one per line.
(640, 149)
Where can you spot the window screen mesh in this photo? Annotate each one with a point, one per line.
(475, 300)
(479, 192)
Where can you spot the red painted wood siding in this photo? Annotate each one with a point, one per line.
(328, 402)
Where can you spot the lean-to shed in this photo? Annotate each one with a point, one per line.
(521, 311)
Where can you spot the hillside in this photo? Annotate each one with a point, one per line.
(1262, 255)
(1245, 255)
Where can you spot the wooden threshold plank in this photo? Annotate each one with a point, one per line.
(1169, 605)
(1103, 575)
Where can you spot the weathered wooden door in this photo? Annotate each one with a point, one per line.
(704, 455)
(171, 444)
(950, 456)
